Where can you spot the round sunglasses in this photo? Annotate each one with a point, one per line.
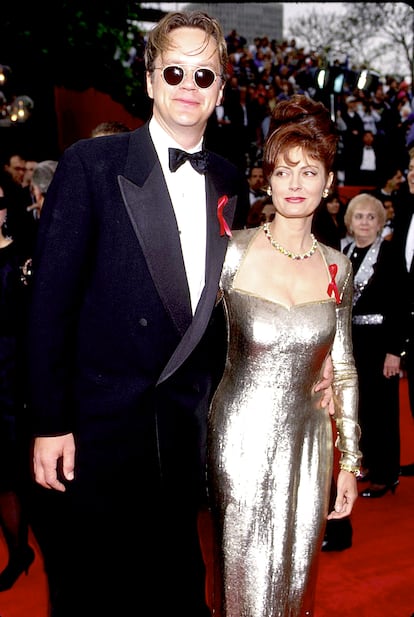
(174, 74)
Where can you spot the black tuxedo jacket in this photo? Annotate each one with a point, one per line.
(404, 211)
(115, 355)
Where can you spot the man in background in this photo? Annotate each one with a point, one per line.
(403, 237)
(256, 183)
(20, 223)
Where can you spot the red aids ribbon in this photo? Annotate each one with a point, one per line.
(333, 269)
(224, 228)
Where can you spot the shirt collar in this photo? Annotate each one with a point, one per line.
(162, 141)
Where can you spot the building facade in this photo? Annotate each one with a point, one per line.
(249, 19)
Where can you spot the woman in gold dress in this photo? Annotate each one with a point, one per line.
(288, 302)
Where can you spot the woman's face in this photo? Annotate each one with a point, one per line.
(268, 214)
(365, 224)
(297, 188)
(3, 217)
(389, 209)
(332, 205)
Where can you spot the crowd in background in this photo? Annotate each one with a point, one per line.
(266, 71)
(375, 124)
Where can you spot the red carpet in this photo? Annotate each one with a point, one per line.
(374, 578)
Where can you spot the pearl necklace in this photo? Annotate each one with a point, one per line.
(284, 251)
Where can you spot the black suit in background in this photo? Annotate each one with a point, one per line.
(370, 178)
(328, 230)
(21, 224)
(402, 221)
(118, 359)
(352, 142)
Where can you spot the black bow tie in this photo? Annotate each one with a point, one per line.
(198, 160)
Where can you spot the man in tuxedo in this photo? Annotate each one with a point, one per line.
(352, 139)
(21, 224)
(256, 182)
(127, 343)
(403, 236)
(368, 160)
(391, 184)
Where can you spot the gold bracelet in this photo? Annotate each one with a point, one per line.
(355, 470)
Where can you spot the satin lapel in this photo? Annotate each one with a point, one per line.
(148, 204)
(152, 217)
(216, 249)
(216, 244)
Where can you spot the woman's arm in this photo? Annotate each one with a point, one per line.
(345, 384)
(345, 389)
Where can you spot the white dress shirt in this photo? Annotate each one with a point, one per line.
(188, 195)
(409, 245)
(368, 159)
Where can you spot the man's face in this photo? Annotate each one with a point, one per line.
(185, 107)
(16, 169)
(30, 167)
(368, 139)
(397, 180)
(256, 179)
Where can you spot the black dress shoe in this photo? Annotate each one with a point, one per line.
(379, 490)
(338, 535)
(407, 470)
(19, 562)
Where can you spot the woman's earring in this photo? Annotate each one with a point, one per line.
(325, 193)
(269, 191)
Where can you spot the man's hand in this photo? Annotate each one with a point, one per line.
(391, 365)
(325, 385)
(52, 457)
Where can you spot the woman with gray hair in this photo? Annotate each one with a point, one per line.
(379, 319)
(41, 179)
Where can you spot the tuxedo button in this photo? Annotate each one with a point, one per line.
(143, 322)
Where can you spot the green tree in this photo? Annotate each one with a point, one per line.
(78, 45)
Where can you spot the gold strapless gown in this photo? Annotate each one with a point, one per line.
(271, 445)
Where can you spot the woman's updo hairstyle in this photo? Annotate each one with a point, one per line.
(300, 122)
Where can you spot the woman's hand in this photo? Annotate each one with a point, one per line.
(346, 494)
